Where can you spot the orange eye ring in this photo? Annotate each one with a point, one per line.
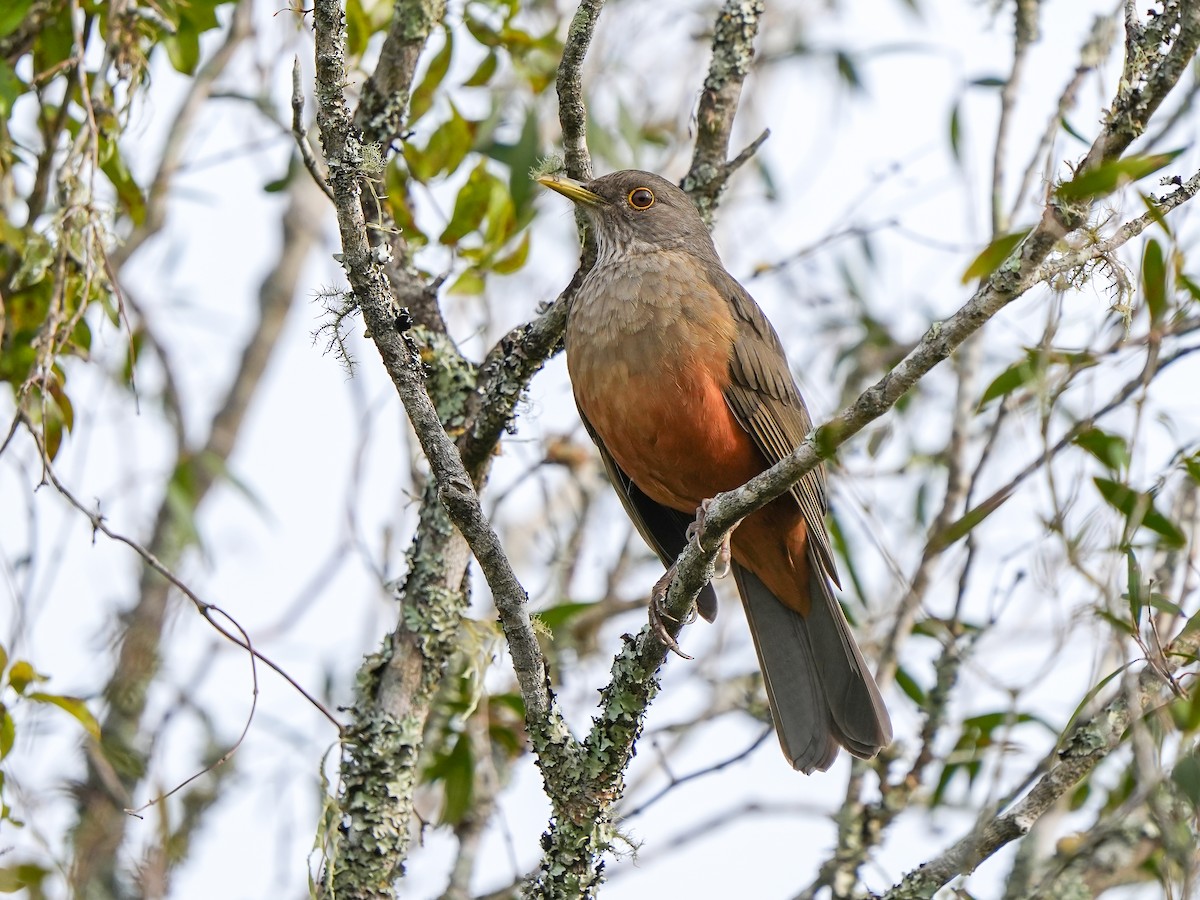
(641, 198)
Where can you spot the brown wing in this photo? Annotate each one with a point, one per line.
(766, 402)
(663, 528)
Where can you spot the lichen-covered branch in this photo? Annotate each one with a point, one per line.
(381, 117)
(1089, 743)
(395, 687)
(572, 113)
(732, 54)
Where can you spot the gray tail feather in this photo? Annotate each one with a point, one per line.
(821, 692)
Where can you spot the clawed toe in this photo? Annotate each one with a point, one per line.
(724, 554)
(659, 614)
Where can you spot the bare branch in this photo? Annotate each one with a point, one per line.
(732, 55)
(1091, 742)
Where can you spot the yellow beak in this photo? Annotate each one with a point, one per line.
(571, 189)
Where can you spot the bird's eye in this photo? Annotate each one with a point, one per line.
(641, 198)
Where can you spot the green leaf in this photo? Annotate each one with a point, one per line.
(1189, 285)
(129, 193)
(74, 707)
(515, 260)
(1069, 129)
(1108, 177)
(847, 70)
(908, 684)
(1134, 584)
(470, 206)
(1154, 280)
(1156, 214)
(956, 133)
(8, 731)
(555, 617)
(183, 49)
(11, 15)
(11, 87)
(963, 526)
(484, 71)
(993, 81)
(1015, 376)
(1110, 449)
(1140, 512)
(21, 675)
(456, 770)
(989, 260)
(469, 283)
(447, 148)
(1191, 465)
(423, 93)
(358, 28)
(1186, 776)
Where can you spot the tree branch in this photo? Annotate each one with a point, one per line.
(732, 55)
(1090, 743)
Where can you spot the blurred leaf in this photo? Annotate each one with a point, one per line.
(21, 675)
(8, 731)
(1153, 211)
(130, 195)
(484, 71)
(470, 206)
(358, 28)
(1139, 511)
(512, 262)
(455, 769)
(11, 87)
(72, 706)
(1108, 177)
(956, 133)
(11, 15)
(909, 686)
(469, 283)
(1110, 449)
(23, 877)
(183, 49)
(1069, 129)
(447, 148)
(993, 255)
(963, 526)
(847, 70)
(520, 158)
(423, 93)
(1154, 280)
(992, 81)
(1015, 376)
(1186, 776)
(1134, 584)
(1189, 285)
(555, 617)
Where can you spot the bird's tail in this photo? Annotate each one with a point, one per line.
(822, 694)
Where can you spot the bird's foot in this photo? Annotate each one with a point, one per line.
(659, 615)
(724, 554)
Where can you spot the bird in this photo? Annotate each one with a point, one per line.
(684, 386)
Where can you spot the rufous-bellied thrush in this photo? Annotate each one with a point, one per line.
(685, 388)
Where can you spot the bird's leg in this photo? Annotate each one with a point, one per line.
(658, 612)
(724, 555)
(658, 594)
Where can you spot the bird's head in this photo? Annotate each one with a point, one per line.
(634, 212)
